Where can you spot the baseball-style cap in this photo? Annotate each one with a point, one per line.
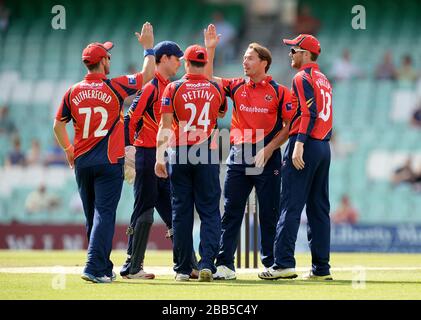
(94, 52)
(306, 42)
(196, 53)
(168, 48)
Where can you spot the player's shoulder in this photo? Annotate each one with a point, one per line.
(128, 80)
(215, 85)
(234, 81)
(174, 86)
(151, 86)
(77, 85)
(277, 85)
(317, 73)
(76, 88)
(178, 83)
(303, 75)
(300, 74)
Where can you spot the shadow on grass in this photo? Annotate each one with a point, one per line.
(257, 282)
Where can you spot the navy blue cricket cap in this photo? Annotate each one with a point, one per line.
(168, 48)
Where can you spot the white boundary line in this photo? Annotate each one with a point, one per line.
(169, 271)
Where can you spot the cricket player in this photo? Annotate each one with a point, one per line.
(305, 172)
(260, 122)
(191, 107)
(95, 107)
(141, 127)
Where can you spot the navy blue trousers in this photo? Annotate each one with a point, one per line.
(100, 190)
(195, 185)
(150, 191)
(237, 188)
(310, 187)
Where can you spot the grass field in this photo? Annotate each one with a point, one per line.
(356, 276)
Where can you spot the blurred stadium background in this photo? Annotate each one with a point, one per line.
(373, 118)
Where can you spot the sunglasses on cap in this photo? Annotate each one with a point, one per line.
(294, 51)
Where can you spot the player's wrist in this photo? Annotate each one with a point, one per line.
(148, 52)
(68, 148)
(301, 137)
(160, 161)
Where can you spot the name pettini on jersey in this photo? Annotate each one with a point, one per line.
(322, 81)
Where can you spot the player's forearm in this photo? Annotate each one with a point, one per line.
(209, 65)
(163, 137)
(280, 138)
(161, 145)
(307, 121)
(128, 133)
(61, 134)
(148, 70)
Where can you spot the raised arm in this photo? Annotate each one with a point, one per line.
(146, 39)
(211, 39)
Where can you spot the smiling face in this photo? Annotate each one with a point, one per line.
(252, 64)
(296, 55)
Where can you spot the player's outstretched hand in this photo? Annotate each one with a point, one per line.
(211, 37)
(297, 156)
(146, 38)
(161, 170)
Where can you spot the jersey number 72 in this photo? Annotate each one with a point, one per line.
(99, 132)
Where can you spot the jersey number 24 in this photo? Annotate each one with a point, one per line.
(203, 119)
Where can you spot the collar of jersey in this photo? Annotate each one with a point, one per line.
(161, 78)
(309, 65)
(195, 76)
(264, 82)
(95, 76)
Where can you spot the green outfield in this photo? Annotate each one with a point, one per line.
(55, 275)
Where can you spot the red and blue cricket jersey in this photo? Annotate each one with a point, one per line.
(259, 109)
(142, 119)
(312, 102)
(95, 106)
(195, 102)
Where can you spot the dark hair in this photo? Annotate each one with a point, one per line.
(158, 58)
(197, 64)
(313, 56)
(91, 67)
(263, 53)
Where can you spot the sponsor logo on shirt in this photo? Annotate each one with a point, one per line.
(132, 79)
(91, 85)
(198, 85)
(165, 101)
(253, 109)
